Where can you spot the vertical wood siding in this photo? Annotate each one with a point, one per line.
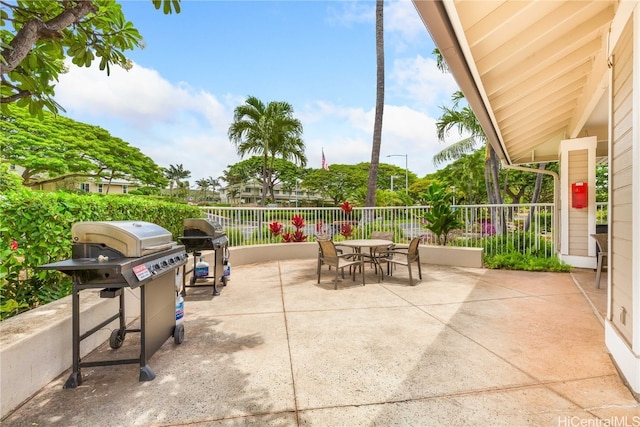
(578, 218)
(621, 186)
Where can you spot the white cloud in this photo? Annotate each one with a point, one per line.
(403, 24)
(418, 80)
(172, 124)
(179, 124)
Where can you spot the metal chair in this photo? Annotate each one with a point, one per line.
(329, 256)
(324, 237)
(406, 257)
(373, 251)
(602, 240)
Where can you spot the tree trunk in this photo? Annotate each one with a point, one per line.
(534, 199)
(264, 179)
(377, 125)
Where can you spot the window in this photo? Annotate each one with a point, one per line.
(125, 189)
(85, 187)
(99, 188)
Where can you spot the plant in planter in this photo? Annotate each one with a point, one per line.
(440, 219)
(298, 235)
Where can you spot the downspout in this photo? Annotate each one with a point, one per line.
(556, 201)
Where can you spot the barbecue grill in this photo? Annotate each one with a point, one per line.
(202, 234)
(118, 254)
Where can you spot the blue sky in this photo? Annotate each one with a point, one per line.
(177, 102)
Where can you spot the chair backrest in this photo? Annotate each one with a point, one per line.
(328, 252)
(413, 253)
(384, 235)
(322, 236)
(602, 239)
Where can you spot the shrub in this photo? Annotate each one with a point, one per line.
(526, 262)
(521, 251)
(40, 224)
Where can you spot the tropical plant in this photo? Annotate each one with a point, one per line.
(440, 219)
(268, 131)
(37, 36)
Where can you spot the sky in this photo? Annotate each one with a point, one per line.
(196, 67)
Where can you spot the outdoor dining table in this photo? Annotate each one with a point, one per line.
(358, 244)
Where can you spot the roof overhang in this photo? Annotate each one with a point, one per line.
(534, 72)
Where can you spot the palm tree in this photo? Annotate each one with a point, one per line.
(377, 124)
(203, 184)
(268, 131)
(465, 120)
(213, 183)
(175, 174)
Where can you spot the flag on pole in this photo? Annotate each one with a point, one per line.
(324, 162)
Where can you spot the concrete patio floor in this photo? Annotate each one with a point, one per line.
(465, 346)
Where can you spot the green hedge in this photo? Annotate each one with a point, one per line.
(40, 224)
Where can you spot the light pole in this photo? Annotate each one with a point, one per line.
(406, 170)
(392, 176)
(297, 182)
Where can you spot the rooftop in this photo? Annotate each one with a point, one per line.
(464, 347)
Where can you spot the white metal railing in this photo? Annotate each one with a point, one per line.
(602, 212)
(522, 228)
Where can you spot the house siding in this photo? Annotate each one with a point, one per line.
(621, 182)
(578, 218)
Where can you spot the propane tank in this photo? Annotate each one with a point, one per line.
(179, 309)
(202, 268)
(178, 281)
(227, 270)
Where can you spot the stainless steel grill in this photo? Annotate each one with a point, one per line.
(206, 235)
(115, 255)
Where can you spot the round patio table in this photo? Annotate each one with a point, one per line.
(358, 244)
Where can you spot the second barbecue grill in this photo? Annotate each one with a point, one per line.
(200, 235)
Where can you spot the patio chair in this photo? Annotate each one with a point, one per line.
(324, 237)
(373, 251)
(602, 240)
(329, 256)
(406, 257)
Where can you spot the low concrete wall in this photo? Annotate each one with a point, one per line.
(35, 347)
(264, 253)
(450, 255)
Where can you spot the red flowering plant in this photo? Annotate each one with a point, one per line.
(298, 235)
(346, 207)
(276, 228)
(346, 230)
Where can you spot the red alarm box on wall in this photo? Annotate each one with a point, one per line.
(579, 193)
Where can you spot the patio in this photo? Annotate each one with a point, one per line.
(465, 347)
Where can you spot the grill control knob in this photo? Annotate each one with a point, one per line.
(164, 264)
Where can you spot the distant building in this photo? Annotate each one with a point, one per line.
(250, 193)
(85, 185)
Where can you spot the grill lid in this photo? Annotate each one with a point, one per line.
(131, 238)
(202, 227)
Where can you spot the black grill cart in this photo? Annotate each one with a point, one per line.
(201, 235)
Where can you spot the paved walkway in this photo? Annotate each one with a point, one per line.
(464, 347)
